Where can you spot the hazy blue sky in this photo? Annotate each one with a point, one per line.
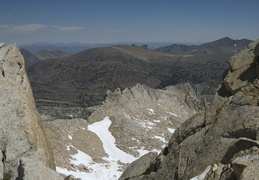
(108, 21)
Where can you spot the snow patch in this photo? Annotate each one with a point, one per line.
(165, 108)
(157, 121)
(235, 45)
(134, 139)
(70, 137)
(127, 116)
(81, 158)
(171, 130)
(151, 111)
(95, 170)
(101, 129)
(70, 115)
(160, 139)
(142, 151)
(173, 114)
(202, 175)
(110, 169)
(147, 124)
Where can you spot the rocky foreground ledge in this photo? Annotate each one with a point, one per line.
(220, 143)
(25, 152)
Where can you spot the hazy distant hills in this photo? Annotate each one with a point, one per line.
(167, 47)
(44, 54)
(71, 48)
(222, 46)
(31, 59)
(74, 47)
(83, 79)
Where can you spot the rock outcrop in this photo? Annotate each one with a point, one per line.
(143, 113)
(223, 141)
(25, 152)
(142, 119)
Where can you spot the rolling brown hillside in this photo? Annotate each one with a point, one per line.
(83, 79)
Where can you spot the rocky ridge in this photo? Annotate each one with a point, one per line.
(221, 142)
(29, 58)
(25, 151)
(223, 45)
(141, 120)
(143, 113)
(81, 80)
(44, 54)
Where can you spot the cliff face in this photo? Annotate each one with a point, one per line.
(223, 141)
(25, 152)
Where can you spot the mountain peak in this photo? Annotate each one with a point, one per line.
(225, 39)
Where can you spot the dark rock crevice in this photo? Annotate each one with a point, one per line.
(242, 133)
(240, 145)
(250, 74)
(257, 66)
(3, 156)
(20, 171)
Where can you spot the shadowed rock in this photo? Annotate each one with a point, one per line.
(225, 136)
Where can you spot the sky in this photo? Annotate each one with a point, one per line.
(112, 21)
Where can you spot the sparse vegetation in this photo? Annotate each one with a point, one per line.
(7, 175)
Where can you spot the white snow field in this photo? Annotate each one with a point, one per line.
(110, 169)
(101, 129)
(202, 175)
(99, 171)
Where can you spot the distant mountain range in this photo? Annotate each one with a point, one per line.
(224, 45)
(31, 59)
(83, 79)
(75, 47)
(44, 54)
(167, 47)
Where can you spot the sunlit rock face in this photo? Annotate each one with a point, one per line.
(25, 152)
(223, 141)
(127, 125)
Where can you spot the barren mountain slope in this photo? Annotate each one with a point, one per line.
(44, 54)
(225, 45)
(30, 59)
(126, 125)
(84, 78)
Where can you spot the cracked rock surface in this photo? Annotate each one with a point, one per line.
(25, 152)
(224, 139)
